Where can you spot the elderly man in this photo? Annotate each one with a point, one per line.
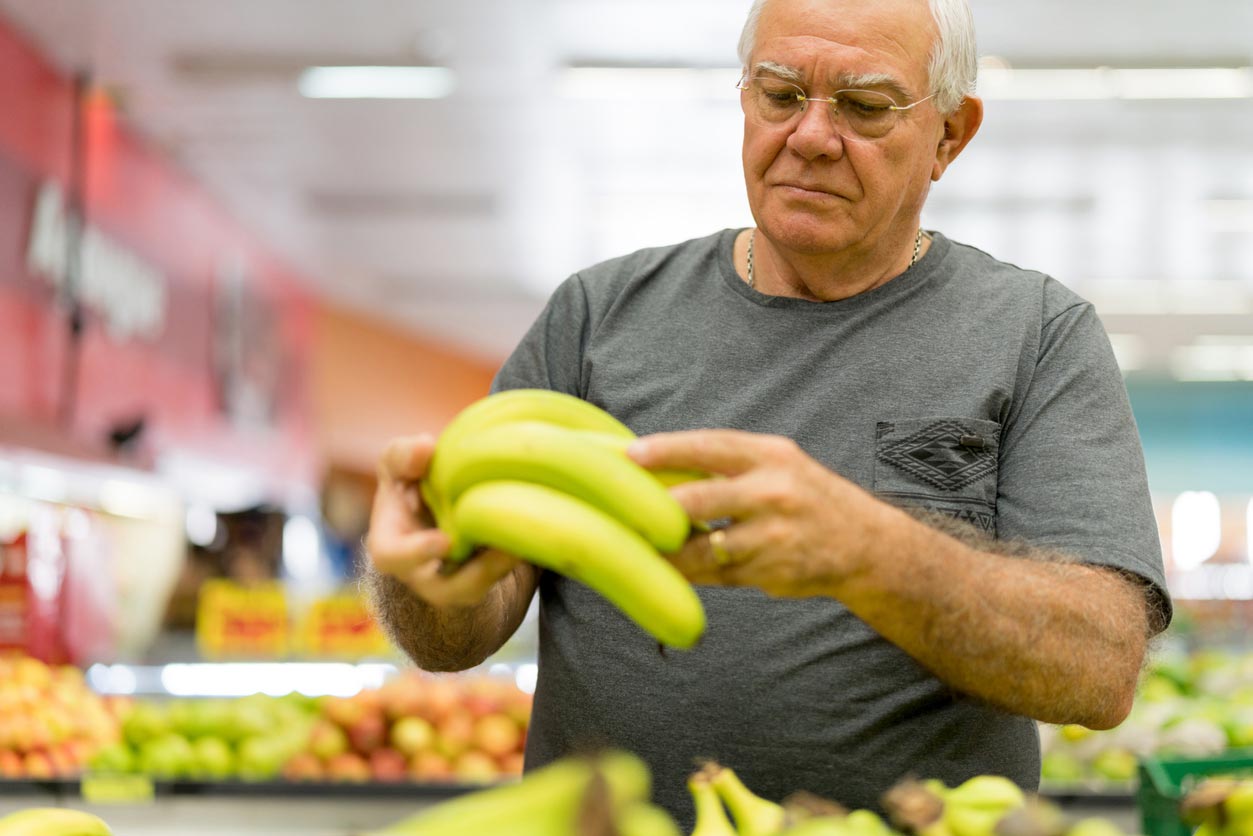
(939, 525)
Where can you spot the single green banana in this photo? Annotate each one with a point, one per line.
(1094, 827)
(754, 815)
(711, 816)
(820, 826)
(644, 819)
(974, 807)
(619, 443)
(503, 407)
(53, 821)
(565, 534)
(533, 451)
(545, 802)
(866, 823)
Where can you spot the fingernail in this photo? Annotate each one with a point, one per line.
(638, 449)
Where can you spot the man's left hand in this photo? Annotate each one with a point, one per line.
(796, 528)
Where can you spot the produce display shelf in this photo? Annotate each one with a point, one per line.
(427, 792)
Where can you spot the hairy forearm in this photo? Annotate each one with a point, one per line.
(1030, 632)
(449, 639)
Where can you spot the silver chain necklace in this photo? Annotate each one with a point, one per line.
(752, 236)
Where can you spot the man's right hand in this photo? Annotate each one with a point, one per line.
(404, 543)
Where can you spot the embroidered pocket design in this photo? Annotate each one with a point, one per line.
(943, 454)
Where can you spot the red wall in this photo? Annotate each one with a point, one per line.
(145, 204)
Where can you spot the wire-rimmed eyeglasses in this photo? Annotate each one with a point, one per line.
(861, 114)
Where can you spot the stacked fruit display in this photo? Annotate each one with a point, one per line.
(610, 794)
(414, 728)
(209, 739)
(1220, 807)
(545, 476)
(1195, 706)
(418, 728)
(51, 723)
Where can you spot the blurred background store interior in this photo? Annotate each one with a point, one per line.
(244, 243)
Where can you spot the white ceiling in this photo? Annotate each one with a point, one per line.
(456, 217)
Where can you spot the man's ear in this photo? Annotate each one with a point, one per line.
(960, 127)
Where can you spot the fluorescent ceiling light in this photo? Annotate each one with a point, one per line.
(649, 83)
(999, 82)
(377, 82)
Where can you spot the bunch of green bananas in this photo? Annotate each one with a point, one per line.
(545, 476)
(53, 821)
(608, 794)
(985, 805)
(717, 789)
(1220, 807)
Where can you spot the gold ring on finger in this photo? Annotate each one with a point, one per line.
(718, 547)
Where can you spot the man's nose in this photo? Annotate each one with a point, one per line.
(815, 134)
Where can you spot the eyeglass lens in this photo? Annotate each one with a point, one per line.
(865, 113)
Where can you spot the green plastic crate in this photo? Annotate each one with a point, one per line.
(1165, 781)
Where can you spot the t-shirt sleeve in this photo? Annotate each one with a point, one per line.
(550, 355)
(1072, 475)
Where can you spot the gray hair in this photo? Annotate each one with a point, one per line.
(953, 65)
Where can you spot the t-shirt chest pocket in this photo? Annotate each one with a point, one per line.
(942, 464)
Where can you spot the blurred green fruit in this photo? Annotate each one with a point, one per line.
(1159, 689)
(115, 757)
(260, 759)
(1061, 767)
(214, 758)
(1094, 827)
(146, 721)
(1116, 765)
(167, 757)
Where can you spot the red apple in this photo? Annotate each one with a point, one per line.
(442, 697)
(343, 711)
(10, 764)
(348, 767)
(518, 707)
(511, 764)
(388, 765)
(37, 765)
(412, 734)
(454, 734)
(303, 766)
(430, 766)
(475, 767)
(368, 733)
(496, 735)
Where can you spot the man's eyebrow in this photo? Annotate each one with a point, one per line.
(782, 71)
(872, 81)
(860, 81)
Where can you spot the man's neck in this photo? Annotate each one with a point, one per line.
(826, 277)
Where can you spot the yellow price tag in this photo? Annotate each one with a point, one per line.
(117, 788)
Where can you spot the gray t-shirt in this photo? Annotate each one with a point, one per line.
(882, 388)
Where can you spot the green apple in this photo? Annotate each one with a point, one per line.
(1116, 765)
(1061, 767)
(214, 758)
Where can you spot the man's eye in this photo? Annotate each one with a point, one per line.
(867, 106)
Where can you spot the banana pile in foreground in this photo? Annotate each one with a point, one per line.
(986, 805)
(53, 821)
(603, 796)
(545, 476)
(1220, 807)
